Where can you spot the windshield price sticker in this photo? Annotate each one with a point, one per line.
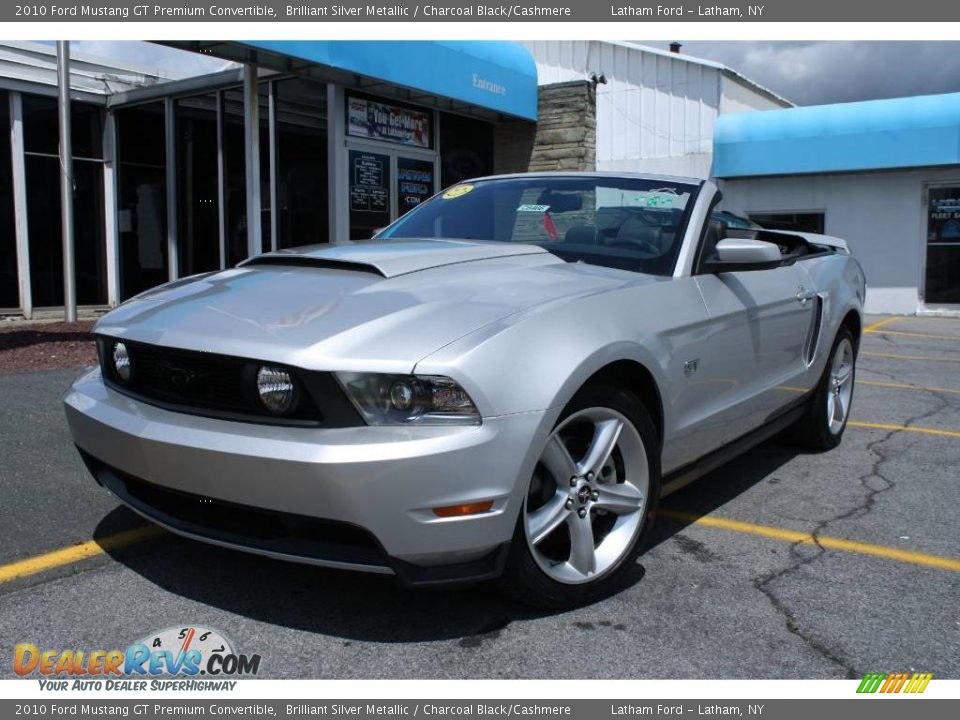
(457, 191)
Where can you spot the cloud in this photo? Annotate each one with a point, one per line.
(810, 73)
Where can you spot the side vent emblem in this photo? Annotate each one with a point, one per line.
(690, 367)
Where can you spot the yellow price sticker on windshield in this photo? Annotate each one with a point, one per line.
(457, 191)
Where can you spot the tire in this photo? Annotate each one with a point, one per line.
(822, 426)
(577, 501)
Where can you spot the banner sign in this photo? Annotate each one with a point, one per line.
(376, 120)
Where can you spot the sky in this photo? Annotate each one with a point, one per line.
(807, 73)
(814, 73)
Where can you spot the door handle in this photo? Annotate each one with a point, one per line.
(804, 295)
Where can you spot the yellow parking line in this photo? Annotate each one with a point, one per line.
(882, 323)
(908, 357)
(75, 553)
(834, 543)
(904, 386)
(937, 336)
(904, 428)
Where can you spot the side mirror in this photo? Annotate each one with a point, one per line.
(740, 254)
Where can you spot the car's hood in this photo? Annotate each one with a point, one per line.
(391, 258)
(367, 306)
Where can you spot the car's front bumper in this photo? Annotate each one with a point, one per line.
(293, 492)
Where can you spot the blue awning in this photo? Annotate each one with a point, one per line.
(907, 132)
(499, 76)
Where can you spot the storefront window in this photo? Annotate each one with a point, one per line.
(198, 231)
(141, 202)
(46, 246)
(9, 295)
(302, 215)
(466, 149)
(943, 246)
(42, 165)
(42, 132)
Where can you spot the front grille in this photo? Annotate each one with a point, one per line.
(242, 525)
(223, 386)
(191, 378)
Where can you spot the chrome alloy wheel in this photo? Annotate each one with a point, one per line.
(840, 389)
(588, 496)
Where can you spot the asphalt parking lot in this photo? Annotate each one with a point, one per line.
(779, 565)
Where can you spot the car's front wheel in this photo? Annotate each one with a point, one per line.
(589, 503)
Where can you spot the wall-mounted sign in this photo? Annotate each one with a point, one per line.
(376, 120)
(414, 183)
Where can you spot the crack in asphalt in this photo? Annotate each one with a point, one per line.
(763, 582)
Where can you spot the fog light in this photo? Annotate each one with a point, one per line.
(276, 390)
(121, 361)
(460, 510)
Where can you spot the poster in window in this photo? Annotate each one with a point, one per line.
(376, 120)
(369, 178)
(414, 183)
(944, 222)
(369, 193)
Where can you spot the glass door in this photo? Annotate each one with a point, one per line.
(385, 183)
(942, 285)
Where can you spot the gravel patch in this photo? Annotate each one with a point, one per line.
(46, 346)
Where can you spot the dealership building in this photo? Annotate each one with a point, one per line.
(883, 174)
(656, 110)
(288, 143)
(291, 143)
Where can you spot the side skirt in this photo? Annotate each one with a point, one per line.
(683, 476)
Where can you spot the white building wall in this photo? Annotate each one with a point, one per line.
(882, 216)
(738, 96)
(657, 110)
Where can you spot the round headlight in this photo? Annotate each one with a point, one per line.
(121, 361)
(401, 395)
(275, 387)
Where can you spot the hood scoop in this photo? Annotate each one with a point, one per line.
(390, 258)
(312, 262)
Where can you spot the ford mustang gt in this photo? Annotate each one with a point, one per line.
(501, 384)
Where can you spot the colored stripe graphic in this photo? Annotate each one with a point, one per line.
(894, 682)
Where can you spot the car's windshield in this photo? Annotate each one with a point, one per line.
(628, 223)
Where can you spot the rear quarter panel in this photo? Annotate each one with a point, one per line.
(840, 281)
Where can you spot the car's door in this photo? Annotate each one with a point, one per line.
(759, 325)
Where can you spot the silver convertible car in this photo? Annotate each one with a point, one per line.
(502, 384)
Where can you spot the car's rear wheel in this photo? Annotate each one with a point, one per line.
(589, 503)
(822, 426)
